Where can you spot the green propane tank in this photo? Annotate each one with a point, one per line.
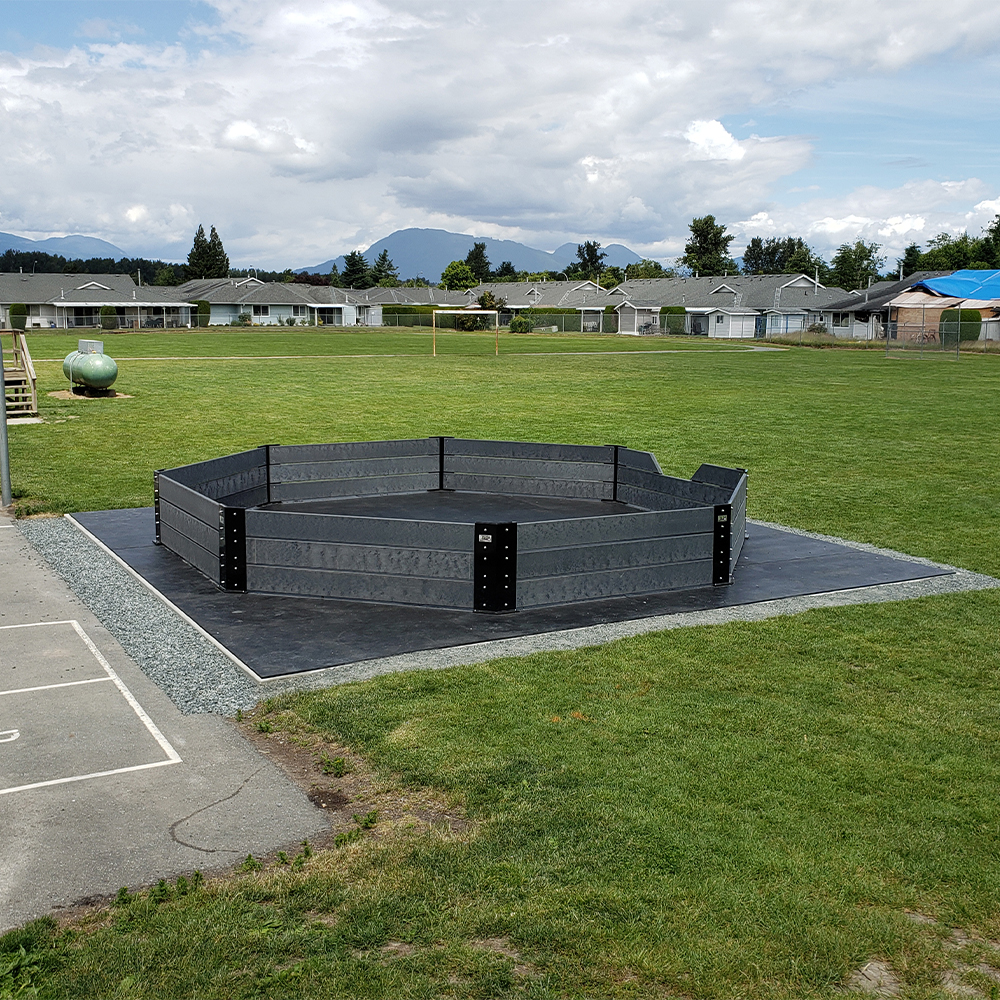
(90, 367)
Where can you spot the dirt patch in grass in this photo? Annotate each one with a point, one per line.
(66, 394)
(343, 785)
(502, 946)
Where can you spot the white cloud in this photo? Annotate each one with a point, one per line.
(711, 141)
(306, 127)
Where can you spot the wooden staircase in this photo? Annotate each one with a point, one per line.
(20, 383)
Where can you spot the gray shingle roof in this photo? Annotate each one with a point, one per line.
(83, 289)
(741, 291)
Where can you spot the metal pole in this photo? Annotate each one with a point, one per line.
(5, 495)
(434, 343)
(498, 333)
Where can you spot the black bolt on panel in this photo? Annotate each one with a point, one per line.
(721, 544)
(156, 505)
(233, 549)
(494, 567)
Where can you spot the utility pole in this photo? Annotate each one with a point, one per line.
(5, 495)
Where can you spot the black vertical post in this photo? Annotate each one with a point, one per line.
(614, 471)
(722, 542)
(494, 567)
(156, 505)
(233, 549)
(440, 463)
(267, 469)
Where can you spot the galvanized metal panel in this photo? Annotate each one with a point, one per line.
(387, 560)
(594, 586)
(528, 450)
(376, 486)
(217, 468)
(684, 488)
(718, 475)
(352, 450)
(361, 587)
(248, 498)
(652, 501)
(189, 500)
(190, 552)
(353, 468)
(222, 489)
(180, 521)
(537, 535)
(436, 535)
(478, 465)
(587, 490)
(643, 461)
(614, 556)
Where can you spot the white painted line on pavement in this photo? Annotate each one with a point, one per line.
(66, 621)
(85, 777)
(171, 753)
(49, 687)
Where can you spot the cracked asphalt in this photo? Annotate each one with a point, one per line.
(103, 781)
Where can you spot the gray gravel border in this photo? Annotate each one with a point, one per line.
(199, 677)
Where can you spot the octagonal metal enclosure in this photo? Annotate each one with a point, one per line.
(490, 526)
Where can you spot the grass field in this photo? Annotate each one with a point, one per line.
(746, 810)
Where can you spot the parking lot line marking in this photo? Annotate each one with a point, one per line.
(49, 687)
(173, 756)
(66, 621)
(84, 777)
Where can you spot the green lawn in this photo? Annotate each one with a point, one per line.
(738, 811)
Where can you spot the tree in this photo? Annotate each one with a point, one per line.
(18, 315)
(779, 255)
(458, 275)
(478, 263)
(647, 268)
(218, 259)
(909, 263)
(589, 260)
(384, 272)
(804, 261)
(505, 272)
(199, 260)
(109, 318)
(707, 252)
(356, 273)
(856, 264)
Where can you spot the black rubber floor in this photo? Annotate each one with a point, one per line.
(285, 635)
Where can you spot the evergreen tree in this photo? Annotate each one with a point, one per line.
(505, 272)
(336, 278)
(384, 273)
(218, 260)
(356, 273)
(589, 261)
(707, 251)
(478, 263)
(199, 260)
(856, 264)
(910, 261)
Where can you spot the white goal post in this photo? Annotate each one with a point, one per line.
(495, 313)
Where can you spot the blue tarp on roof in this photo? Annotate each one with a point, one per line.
(964, 285)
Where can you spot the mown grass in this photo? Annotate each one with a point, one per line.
(745, 810)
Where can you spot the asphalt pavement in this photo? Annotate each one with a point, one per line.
(103, 781)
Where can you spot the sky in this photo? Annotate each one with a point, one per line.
(303, 129)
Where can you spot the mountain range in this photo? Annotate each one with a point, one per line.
(427, 252)
(67, 246)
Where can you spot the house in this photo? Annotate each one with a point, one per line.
(916, 312)
(865, 314)
(74, 301)
(586, 298)
(724, 306)
(276, 303)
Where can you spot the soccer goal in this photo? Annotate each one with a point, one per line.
(495, 313)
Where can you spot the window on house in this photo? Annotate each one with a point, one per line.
(841, 319)
(262, 310)
(719, 318)
(298, 310)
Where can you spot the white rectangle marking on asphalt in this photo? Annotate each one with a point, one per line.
(37, 624)
(49, 687)
(84, 777)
